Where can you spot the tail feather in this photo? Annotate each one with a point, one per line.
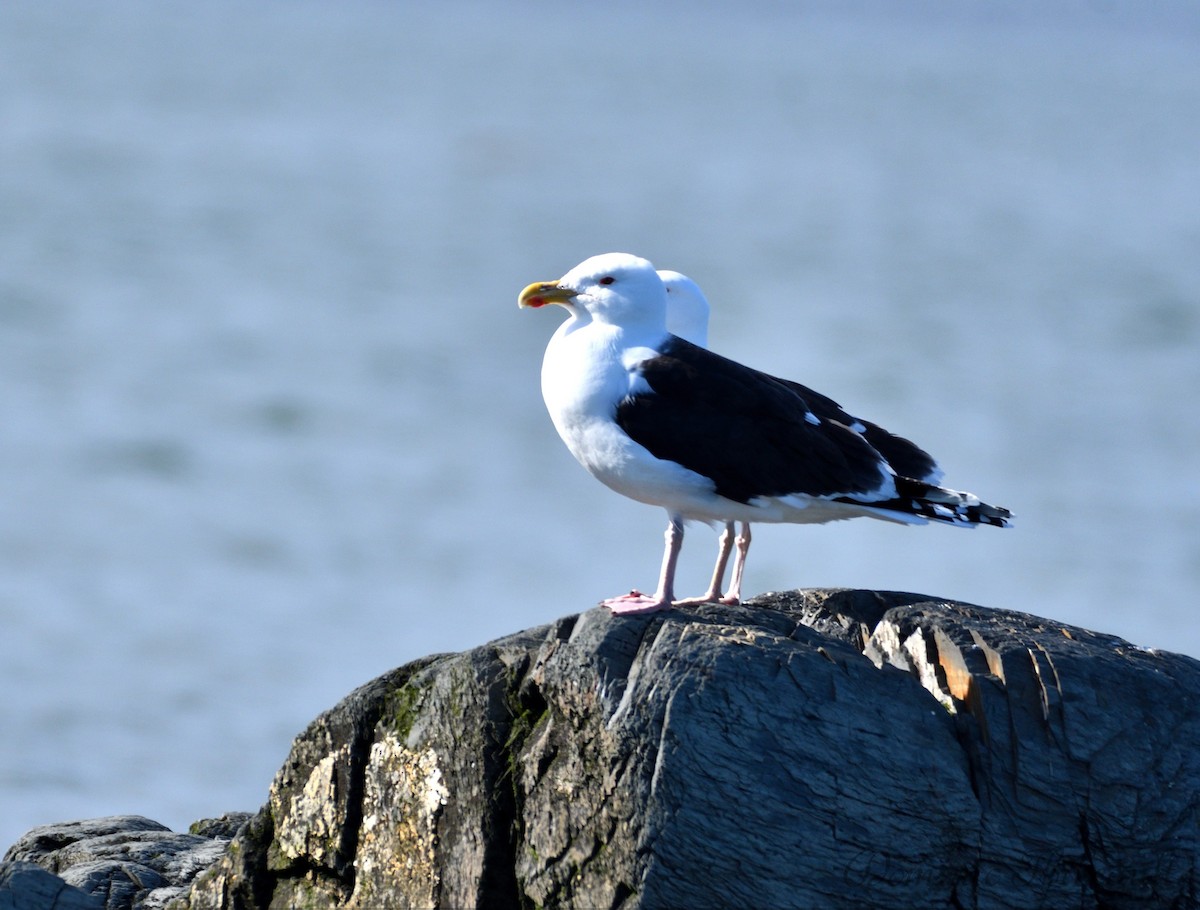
(915, 497)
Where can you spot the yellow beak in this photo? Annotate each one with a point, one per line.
(541, 293)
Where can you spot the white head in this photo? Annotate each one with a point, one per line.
(614, 288)
(687, 308)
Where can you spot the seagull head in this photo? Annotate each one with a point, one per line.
(687, 308)
(614, 288)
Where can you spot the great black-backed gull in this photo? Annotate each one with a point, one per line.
(669, 423)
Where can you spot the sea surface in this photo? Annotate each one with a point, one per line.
(270, 421)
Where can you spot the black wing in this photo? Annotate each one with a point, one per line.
(906, 458)
(753, 435)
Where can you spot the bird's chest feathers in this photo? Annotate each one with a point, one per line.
(585, 375)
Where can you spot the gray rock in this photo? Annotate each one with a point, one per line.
(42, 844)
(223, 826)
(27, 886)
(120, 862)
(809, 749)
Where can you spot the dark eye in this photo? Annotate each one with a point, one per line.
(607, 279)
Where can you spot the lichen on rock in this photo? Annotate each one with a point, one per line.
(397, 845)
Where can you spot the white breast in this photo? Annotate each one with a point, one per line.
(587, 371)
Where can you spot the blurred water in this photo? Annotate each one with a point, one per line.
(269, 417)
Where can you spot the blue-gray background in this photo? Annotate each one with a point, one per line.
(269, 416)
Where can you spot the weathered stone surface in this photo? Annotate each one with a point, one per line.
(124, 861)
(26, 886)
(808, 749)
(831, 749)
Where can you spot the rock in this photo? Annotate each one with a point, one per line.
(809, 749)
(224, 826)
(120, 862)
(27, 886)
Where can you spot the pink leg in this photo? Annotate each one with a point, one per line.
(739, 565)
(725, 547)
(635, 602)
